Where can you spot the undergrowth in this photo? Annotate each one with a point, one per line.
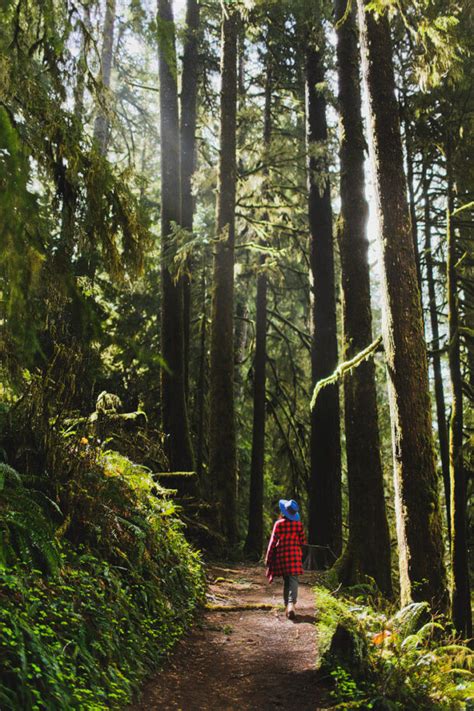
(96, 581)
(406, 661)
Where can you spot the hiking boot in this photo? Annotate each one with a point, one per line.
(290, 611)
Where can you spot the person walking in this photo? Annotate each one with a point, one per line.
(284, 553)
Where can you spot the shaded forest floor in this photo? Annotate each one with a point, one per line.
(248, 656)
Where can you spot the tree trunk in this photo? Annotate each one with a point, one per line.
(189, 85)
(368, 548)
(173, 402)
(324, 520)
(461, 600)
(419, 532)
(254, 541)
(222, 441)
(411, 203)
(81, 67)
(101, 125)
(201, 384)
(436, 357)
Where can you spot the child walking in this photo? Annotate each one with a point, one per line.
(284, 554)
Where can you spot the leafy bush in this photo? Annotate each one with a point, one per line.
(83, 633)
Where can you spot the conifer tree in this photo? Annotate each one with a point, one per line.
(188, 111)
(173, 401)
(420, 545)
(368, 549)
(254, 540)
(222, 443)
(325, 516)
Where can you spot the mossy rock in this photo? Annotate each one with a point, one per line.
(348, 649)
(341, 641)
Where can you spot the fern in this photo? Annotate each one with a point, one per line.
(410, 618)
(27, 534)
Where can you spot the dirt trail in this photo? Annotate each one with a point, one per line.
(242, 660)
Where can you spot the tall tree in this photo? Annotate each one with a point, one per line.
(81, 66)
(368, 549)
(201, 379)
(420, 545)
(222, 443)
(436, 348)
(189, 87)
(173, 401)
(461, 599)
(101, 125)
(325, 517)
(411, 191)
(254, 541)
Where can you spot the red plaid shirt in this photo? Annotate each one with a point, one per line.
(284, 554)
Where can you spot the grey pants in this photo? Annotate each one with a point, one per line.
(290, 588)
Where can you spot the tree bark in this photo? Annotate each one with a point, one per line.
(81, 67)
(101, 124)
(222, 441)
(420, 544)
(325, 517)
(189, 85)
(173, 401)
(201, 384)
(411, 203)
(367, 553)
(461, 599)
(436, 357)
(254, 541)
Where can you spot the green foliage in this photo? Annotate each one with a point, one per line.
(21, 255)
(407, 664)
(410, 618)
(122, 585)
(86, 639)
(26, 532)
(64, 209)
(347, 692)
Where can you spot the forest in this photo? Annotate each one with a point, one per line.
(236, 266)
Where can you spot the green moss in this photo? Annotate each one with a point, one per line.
(331, 611)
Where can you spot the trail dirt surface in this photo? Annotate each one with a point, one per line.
(243, 654)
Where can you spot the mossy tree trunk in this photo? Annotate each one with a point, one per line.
(435, 350)
(81, 67)
(411, 196)
(254, 541)
(202, 380)
(368, 548)
(188, 105)
(101, 124)
(222, 442)
(325, 517)
(461, 599)
(173, 401)
(419, 531)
